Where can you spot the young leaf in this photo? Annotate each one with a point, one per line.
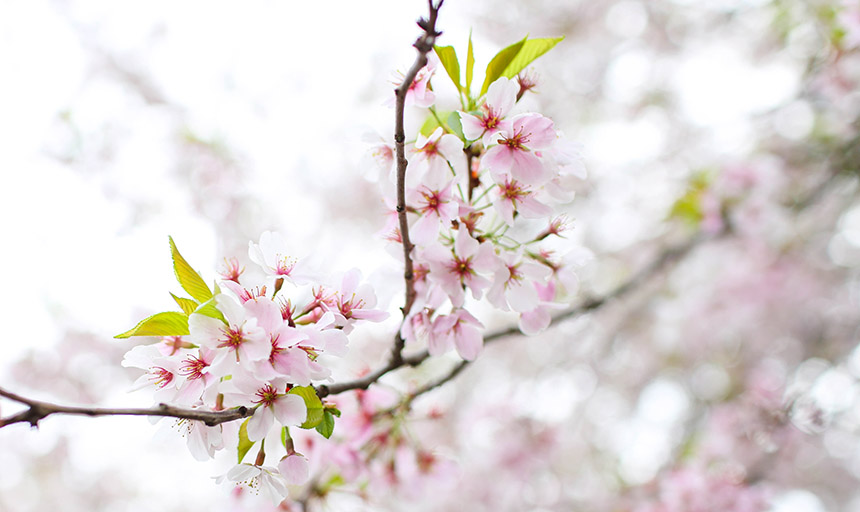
(500, 63)
(170, 323)
(531, 50)
(326, 426)
(188, 278)
(188, 306)
(245, 444)
(455, 126)
(312, 402)
(429, 126)
(208, 308)
(448, 58)
(470, 66)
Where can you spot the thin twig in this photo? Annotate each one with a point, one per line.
(38, 410)
(424, 45)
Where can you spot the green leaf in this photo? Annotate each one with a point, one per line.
(448, 58)
(188, 306)
(245, 444)
(470, 65)
(312, 402)
(208, 308)
(188, 278)
(530, 51)
(170, 323)
(332, 409)
(429, 126)
(285, 433)
(455, 126)
(326, 426)
(500, 63)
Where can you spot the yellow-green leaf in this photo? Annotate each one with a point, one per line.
(530, 51)
(448, 58)
(188, 278)
(470, 66)
(429, 126)
(170, 323)
(208, 308)
(245, 444)
(500, 63)
(188, 306)
(313, 404)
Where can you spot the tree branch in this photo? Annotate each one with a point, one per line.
(423, 44)
(667, 257)
(37, 410)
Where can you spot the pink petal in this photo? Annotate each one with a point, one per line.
(289, 410)
(260, 423)
(295, 469)
(469, 342)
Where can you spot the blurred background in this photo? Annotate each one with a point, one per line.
(726, 128)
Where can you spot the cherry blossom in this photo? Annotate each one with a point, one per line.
(274, 255)
(437, 209)
(465, 265)
(294, 468)
(460, 330)
(501, 97)
(432, 159)
(514, 154)
(515, 197)
(263, 480)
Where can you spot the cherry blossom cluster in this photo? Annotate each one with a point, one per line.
(259, 347)
(481, 192)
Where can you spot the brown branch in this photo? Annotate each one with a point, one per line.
(667, 257)
(37, 410)
(423, 44)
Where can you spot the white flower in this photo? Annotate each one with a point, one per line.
(263, 480)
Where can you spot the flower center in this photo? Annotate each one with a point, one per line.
(193, 367)
(233, 337)
(161, 377)
(267, 395)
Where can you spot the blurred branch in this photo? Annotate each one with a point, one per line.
(37, 410)
(667, 257)
(423, 44)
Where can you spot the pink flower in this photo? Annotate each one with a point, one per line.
(514, 155)
(501, 97)
(198, 379)
(202, 440)
(353, 302)
(516, 197)
(241, 339)
(437, 209)
(431, 159)
(277, 260)
(288, 409)
(461, 267)
(459, 329)
(418, 94)
(260, 479)
(514, 283)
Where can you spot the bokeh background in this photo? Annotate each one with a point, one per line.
(730, 374)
